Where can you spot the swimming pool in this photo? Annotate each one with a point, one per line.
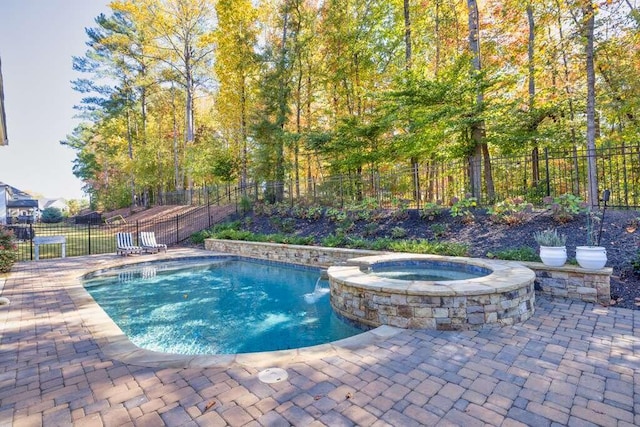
(221, 305)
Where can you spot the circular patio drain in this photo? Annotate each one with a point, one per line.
(273, 375)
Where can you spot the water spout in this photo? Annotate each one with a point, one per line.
(318, 292)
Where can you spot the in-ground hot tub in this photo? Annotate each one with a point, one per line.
(432, 292)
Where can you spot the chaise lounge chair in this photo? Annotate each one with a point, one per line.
(125, 244)
(149, 244)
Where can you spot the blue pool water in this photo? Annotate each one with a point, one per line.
(218, 306)
(427, 270)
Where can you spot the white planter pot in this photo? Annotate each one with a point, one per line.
(591, 257)
(553, 256)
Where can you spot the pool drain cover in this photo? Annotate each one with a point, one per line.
(273, 375)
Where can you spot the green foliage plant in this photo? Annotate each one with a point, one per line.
(565, 207)
(288, 225)
(8, 250)
(334, 240)
(314, 213)
(369, 203)
(524, 253)
(370, 229)
(550, 238)
(357, 243)
(51, 215)
(398, 233)
(245, 204)
(360, 214)
(335, 214)
(276, 222)
(422, 246)
(461, 208)
(263, 209)
(511, 211)
(299, 212)
(380, 244)
(400, 209)
(439, 230)
(431, 210)
(346, 225)
(281, 209)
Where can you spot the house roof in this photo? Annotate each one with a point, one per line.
(16, 193)
(22, 203)
(47, 203)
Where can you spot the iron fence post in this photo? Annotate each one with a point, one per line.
(546, 166)
(416, 173)
(89, 236)
(31, 234)
(177, 229)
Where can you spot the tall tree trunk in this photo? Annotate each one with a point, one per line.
(407, 35)
(592, 175)
(282, 110)
(568, 91)
(243, 132)
(478, 132)
(176, 158)
(535, 155)
(130, 147)
(438, 42)
(408, 66)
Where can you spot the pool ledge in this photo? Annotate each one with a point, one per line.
(116, 345)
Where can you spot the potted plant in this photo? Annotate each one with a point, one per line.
(593, 256)
(553, 251)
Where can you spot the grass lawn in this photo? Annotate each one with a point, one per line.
(81, 240)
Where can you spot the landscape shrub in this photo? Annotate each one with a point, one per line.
(462, 208)
(431, 210)
(398, 233)
(565, 207)
(245, 204)
(524, 253)
(51, 215)
(510, 211)
(335, 215)
(334, 240)
(439, 230)
(8, 250)
(428, 247)
(401, 209)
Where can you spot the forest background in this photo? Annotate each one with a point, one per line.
(188, 93)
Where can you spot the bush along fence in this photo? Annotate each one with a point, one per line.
(92, 238)
(549, 173)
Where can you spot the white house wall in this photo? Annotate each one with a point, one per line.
(3, 204)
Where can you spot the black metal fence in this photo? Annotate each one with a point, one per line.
(551, 173)
(88, 239)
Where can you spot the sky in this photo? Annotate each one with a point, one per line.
(37, 41)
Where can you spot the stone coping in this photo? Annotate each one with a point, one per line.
(566, 268)
(506, 276)
(115, 343)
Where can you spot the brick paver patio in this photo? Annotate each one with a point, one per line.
(571, 364)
